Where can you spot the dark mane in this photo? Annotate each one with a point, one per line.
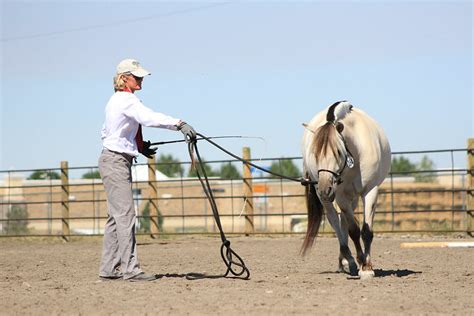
(330, 117)
(326, 138)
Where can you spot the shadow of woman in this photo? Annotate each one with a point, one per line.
(198, 276)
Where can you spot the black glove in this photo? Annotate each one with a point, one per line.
(147, 151)
(188, 131)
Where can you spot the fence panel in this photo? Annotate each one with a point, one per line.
(422, 200)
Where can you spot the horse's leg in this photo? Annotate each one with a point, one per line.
(352, 227)
(369, 201)
(343, 263)
(344, 250)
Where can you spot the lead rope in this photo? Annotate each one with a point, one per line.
(301, 180)
(227, 254)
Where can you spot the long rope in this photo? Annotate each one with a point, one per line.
(215, 137)
(229, 256)
(301, 180)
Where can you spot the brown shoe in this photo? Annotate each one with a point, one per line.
(143, 277)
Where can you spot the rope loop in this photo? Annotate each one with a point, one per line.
(230, 262)
(227, 254)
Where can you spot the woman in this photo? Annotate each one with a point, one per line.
(122, 142)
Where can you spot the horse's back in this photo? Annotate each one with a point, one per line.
(365, 139)
(368, 140)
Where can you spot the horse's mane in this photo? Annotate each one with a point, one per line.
(338, 111)
(327, 136)
(325, 141)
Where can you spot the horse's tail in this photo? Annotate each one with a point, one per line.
(315, 215)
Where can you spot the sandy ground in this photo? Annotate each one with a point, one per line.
(50, 277)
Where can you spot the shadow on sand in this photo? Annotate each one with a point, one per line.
(171, 275)
(199, 276)
(379, 273)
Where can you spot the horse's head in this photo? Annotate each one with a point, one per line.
(332, 158)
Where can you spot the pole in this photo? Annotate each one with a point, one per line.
(470, 187)
(65, 199)
(153, 197)
(248, 193)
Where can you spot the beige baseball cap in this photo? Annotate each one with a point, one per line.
(132, 66)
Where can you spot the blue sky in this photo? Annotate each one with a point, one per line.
(258, 68)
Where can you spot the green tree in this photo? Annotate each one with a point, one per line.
(425, 164)
(285, 167)
(229, 171)
(169, 165)
(402, 164)
(17, 220)
(91, 175)
(43, 175)
(209, 172)
(145, 220)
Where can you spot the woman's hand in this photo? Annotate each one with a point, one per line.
(147, 151)
(187, 130)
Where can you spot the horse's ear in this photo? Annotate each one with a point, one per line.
(339, 127)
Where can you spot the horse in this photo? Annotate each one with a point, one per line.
(346, 155)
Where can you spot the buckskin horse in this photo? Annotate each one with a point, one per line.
(346, 155)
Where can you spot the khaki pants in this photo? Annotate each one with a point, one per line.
(119, 254)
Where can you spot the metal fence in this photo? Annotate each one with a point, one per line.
(427, 200)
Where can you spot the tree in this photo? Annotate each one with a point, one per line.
(229, 171)
(425, 164)
(169, 166)
(17, 220)
(402, 164)
(91, 175)
(44, 175)
(285, 167)
(405, 167)
(145, 220)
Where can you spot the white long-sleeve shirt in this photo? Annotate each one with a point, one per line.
(123, 114)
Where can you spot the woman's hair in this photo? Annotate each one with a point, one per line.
(119, 83)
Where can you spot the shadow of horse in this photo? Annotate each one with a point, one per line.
(380, 273)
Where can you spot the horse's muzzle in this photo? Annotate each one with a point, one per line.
(328, 194)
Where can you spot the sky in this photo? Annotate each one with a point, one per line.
(252, 68)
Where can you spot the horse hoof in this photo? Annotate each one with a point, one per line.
(344, 266)
(367, 274)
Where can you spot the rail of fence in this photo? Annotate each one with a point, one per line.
(62, 203)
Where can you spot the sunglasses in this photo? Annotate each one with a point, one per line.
(135, 77)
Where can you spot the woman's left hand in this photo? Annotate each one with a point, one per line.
(147, 150)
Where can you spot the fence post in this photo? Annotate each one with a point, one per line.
(248, 193)
(65, 199)
(470, 187)
(153, 197)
